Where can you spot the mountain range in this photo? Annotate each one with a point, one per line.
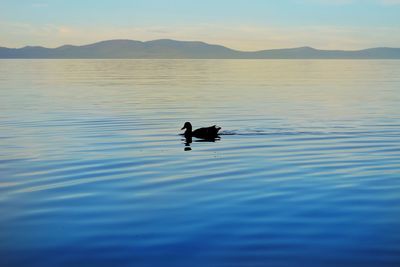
(172, 49)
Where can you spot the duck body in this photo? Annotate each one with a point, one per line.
(203, 133)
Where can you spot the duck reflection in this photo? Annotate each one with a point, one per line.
(188, 140)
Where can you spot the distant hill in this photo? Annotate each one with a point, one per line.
(172, 49)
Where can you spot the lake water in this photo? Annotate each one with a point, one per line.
(93, 172)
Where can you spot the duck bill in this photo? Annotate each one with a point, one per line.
(183, 128)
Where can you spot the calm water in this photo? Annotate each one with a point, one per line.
(94, 173)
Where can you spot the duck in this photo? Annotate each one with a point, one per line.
(202, 133)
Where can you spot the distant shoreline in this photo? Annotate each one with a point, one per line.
(172, 49)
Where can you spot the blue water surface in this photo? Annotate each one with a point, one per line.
(93, 171)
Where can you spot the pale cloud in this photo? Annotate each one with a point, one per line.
(329, 2)
(346, 2)
(391, 2)
(39, 5)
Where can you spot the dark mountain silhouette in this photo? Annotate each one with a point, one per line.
(172, 49)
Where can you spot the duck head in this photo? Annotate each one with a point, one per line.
(188, 127)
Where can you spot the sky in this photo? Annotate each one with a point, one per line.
(239, 24)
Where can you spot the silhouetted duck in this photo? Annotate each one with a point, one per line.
(203, 133)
